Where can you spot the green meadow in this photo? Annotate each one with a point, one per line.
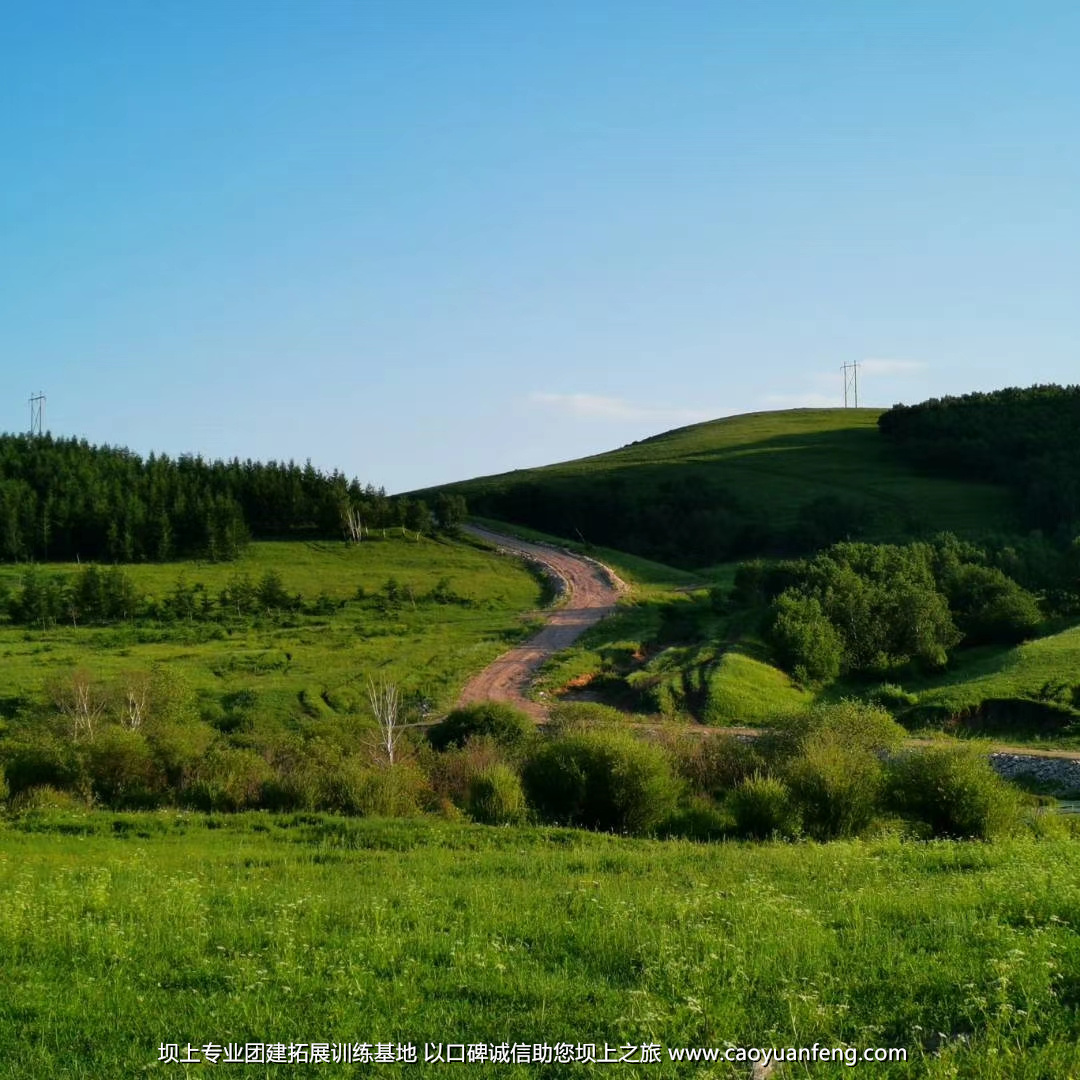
(119, 933)
(312, 660)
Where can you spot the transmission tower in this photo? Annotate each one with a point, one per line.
(37, 413)
(851, 385)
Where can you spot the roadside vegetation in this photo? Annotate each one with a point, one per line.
(827, 772)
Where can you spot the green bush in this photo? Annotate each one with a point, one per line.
(762, 808)
(178, 748)
(121, 769)
(953, 790)
(604, 779)
(509, 727)
(452, 771)
(713, 764)
(992, 608)
(39, 759)
(806, 642)
(376, 791)
(496, 797)
(837, 786)
(849, 723)
(228, 779)
(698, 819)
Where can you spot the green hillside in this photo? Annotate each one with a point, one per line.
(773, 481)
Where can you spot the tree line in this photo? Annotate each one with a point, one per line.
(65, 499)
(107, 596)
(1025, 438)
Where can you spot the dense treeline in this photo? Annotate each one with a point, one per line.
(690, 521)
(1025, 438)
(63, 499)
(869, 609)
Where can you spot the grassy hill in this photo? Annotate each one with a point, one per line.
(669, 652)
(761, 469)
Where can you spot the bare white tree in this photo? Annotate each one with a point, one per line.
(136, 699)
(385, 705)
(79, 699)
(354, 526)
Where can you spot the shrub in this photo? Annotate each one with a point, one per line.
(806, 642)
(848, 723)
(5, 791)
(228, 779)
(713, 764)
(602, 779)
(698, 819)
(496, 797)
(451, 772)
(38, 759)
(375, 791)
(178, 748)
(992, 607)
(121, 769)
(509, 727)
(953, 790)
(837, 786)
(762, 807)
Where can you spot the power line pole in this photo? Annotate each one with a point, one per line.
(851, 384)
(37, 413)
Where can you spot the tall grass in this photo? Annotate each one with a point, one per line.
(118, 933)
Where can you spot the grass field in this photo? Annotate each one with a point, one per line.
(302, 662)
(779, 461)
(122, 932)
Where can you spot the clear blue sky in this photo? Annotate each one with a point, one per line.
(422, 241)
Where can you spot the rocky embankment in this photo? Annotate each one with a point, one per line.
(1062, 773)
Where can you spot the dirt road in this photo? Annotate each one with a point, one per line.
(588, 592)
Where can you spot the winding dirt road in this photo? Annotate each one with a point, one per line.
(588, 593)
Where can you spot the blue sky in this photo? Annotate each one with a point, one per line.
(421, 241)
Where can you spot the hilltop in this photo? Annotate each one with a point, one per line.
(769, 482)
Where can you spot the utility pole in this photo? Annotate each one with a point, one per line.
(37, 413)
(851, 385)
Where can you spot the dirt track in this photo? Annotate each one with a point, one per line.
(588, 591)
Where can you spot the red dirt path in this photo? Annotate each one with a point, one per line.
(588, 593)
